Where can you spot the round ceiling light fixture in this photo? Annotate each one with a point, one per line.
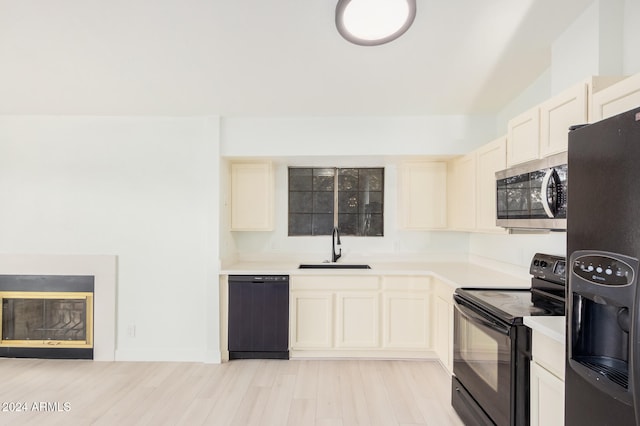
(374, 22)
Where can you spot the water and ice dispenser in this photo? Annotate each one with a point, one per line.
(602, 305)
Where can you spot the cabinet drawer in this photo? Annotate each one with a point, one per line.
(403, 282)
(549, 353)
(335, 282)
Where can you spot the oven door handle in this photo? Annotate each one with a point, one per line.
(478, 318)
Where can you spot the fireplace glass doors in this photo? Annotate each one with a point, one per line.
(47, 319)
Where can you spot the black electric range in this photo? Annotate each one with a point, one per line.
(492, 346)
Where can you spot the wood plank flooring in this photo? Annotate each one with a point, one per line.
(247, 392)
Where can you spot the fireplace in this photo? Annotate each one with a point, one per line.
(46, 316)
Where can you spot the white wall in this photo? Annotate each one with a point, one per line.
(395, 242)
(631, 37)
(143, 189)
(147, 191)
(592, 45)
(604, 40)
(538, 91)
(371, 136)
(357, 141)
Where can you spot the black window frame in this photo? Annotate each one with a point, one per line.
(320, 198)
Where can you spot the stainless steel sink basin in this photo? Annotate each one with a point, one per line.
(333, 266)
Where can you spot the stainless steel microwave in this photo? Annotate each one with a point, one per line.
(533, 195)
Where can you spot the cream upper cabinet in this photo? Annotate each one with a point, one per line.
(616, 99)
(543, 130)
(462, 193)
(523, 137)
(490, 159)
(472, 188)
(558, 114)
(422, 202)
(252, 196)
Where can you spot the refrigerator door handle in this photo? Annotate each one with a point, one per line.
(548, 209)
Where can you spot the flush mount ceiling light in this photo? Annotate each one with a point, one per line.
(374, 22)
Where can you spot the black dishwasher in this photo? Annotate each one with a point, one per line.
(258, 317)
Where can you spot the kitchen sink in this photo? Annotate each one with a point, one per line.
(333, 266)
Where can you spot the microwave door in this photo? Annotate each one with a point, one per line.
(538, 195)
(517, 197)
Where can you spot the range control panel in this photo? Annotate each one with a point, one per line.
(602, 269)
(549, 267)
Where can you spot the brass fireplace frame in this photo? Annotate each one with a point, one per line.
(87, 343)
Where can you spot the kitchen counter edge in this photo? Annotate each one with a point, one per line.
(455, 274)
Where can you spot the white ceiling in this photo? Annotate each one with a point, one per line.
(268, 57)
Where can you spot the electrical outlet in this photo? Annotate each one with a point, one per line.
(131, 330)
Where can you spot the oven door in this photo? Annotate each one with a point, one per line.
(483, 360)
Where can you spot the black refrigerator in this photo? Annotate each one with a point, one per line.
(602, 381)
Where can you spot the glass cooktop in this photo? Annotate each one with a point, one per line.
(512, 305)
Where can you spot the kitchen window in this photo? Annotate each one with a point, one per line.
(322, 198)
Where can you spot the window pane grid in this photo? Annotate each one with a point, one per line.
(360, 201)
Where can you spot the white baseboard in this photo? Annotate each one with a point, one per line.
(161, 355)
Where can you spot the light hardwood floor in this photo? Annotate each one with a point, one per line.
(247, 392)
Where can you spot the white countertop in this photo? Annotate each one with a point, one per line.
(456, 274)
(553, 327)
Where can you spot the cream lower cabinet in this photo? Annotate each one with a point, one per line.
(406, 312)
(547, 397)
(443, 324)
(360, 316)
(547, 381)
(311, 320)
(357, 319)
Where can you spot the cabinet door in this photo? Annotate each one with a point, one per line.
(406, 320)
(423, 195)
(357, 320)
(462, 193)
(252, 196)
(558, 114)
(444, 332)
(617, 98)
(491, 158)
(523, 137)
(311, 320)
(547, 398)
